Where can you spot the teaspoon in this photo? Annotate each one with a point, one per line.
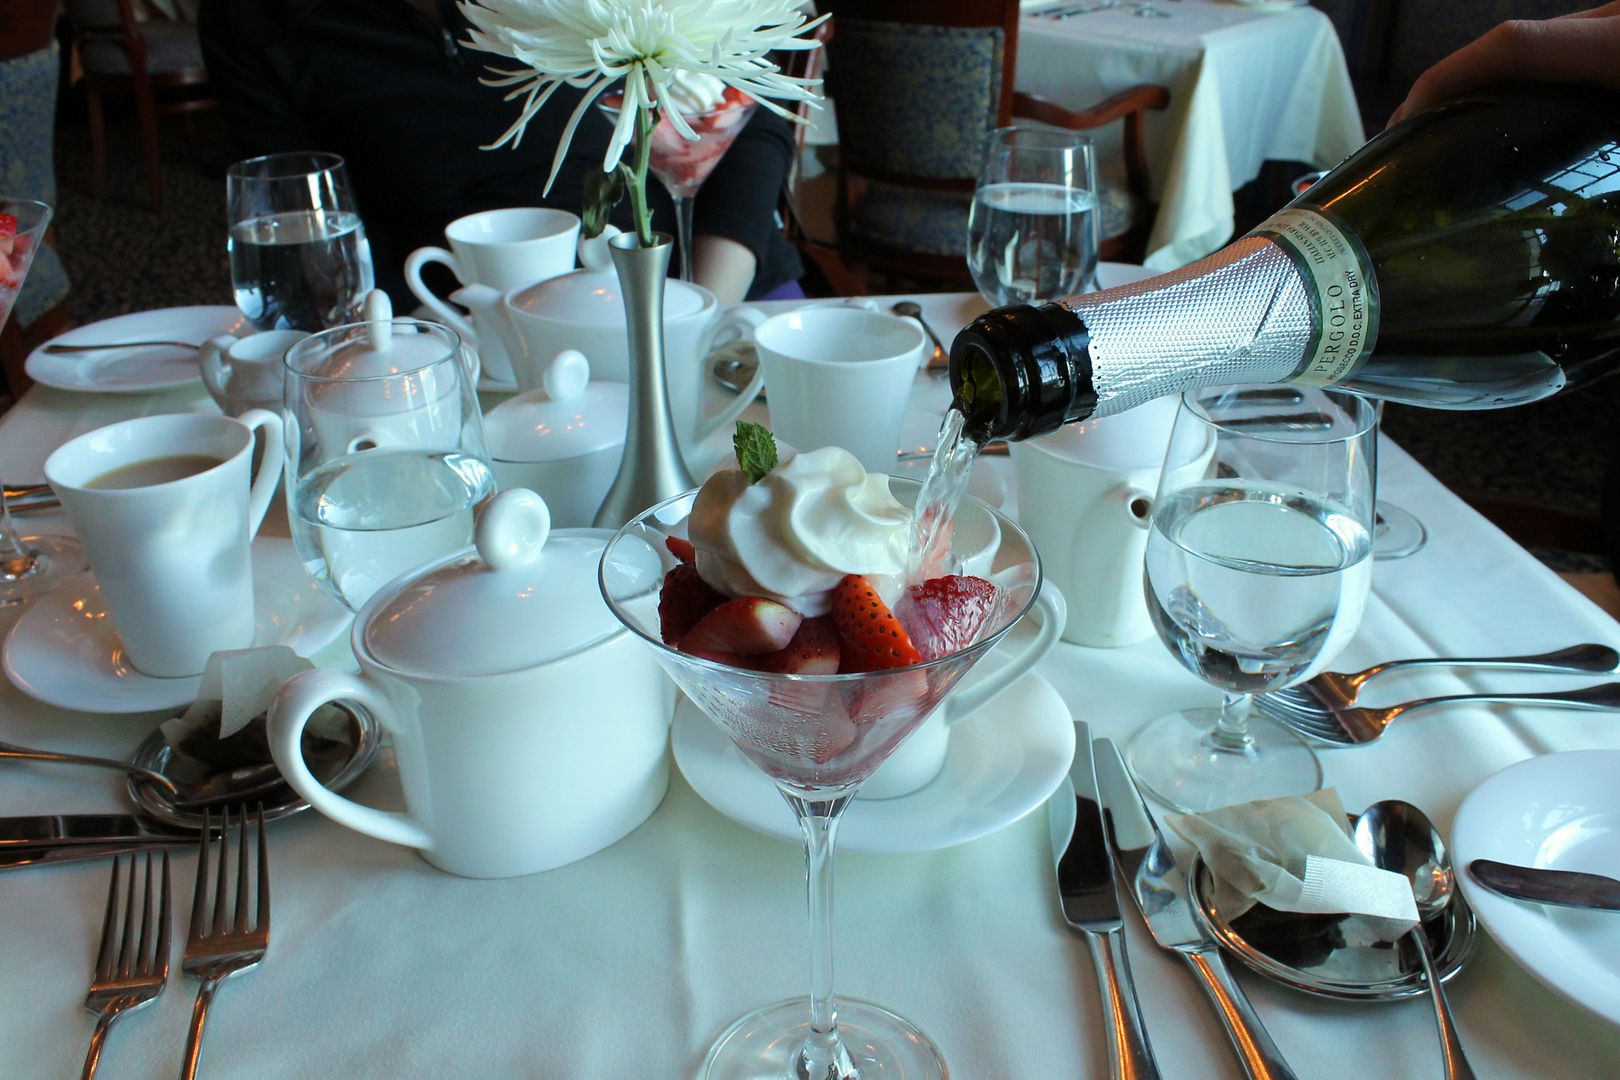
(104, 347)
(231, 784)
(908, 309)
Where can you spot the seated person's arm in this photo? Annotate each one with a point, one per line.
(735, 216)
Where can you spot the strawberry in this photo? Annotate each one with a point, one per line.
(747, 626)
(681, 548)
(685, 600)
(945, 614)
(871, 637)
(813, 651)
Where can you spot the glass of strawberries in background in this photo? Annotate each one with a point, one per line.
(29, 565)
(818, 704)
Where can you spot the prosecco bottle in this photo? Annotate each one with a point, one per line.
(1468, 258)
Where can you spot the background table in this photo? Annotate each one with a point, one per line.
(1248, 84)
(628, 963)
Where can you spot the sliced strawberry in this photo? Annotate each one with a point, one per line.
(685, 600)
(945, 614)
(813, 651)
(681, 548)
(747, 626)
(8, 225)
(871, 637)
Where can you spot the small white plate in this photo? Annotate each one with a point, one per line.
(65, 652)
(1561, 812)
(1003, 762)
(133, 371)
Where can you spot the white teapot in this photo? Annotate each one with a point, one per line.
(529, 726)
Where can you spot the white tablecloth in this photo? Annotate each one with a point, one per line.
(628, 963)
(1248, 84)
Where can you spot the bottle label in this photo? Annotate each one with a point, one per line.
(1337, 274)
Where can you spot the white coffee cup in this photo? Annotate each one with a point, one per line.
(1085, 496)
(242, 373)
(503, 249)
(840, 376)
(172, 556)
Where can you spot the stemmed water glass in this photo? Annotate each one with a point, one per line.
(1259, 560)
(30, 566)
(386, 457)
(298, 252)
(1032, 228)
(818, 737)
(682, 164)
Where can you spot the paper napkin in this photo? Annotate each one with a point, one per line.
(1296, 854)
(236, 689)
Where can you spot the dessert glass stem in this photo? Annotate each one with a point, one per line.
(823, 1056)
(18, 561)
(683, 231)
(1231, 735)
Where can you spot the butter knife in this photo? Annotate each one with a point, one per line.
(1085, 880)
(1159, 888)
(58, 830)
(16, 858)
(1566, 888)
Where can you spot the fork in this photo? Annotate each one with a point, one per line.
(1357, 726)
(131, 968)
(217, 949)
(1333, 689)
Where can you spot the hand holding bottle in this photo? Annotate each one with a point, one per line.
(1582, 49)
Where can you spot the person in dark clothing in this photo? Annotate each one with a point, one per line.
(386, 84)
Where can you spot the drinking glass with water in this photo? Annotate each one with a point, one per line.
(299, 257)
(386, 458)
(1032, 229)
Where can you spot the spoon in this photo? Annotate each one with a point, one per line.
(231, 784)
(1398, 836)
(940, 361)
(103, 347)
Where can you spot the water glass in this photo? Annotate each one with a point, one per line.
(1032, 229)
(299, 257)
(386, 457)
(1258, 564)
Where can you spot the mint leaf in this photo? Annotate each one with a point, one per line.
(603, 190)
(756, 450)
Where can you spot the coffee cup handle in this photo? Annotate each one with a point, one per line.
(294, 704)
(1050, 609)
(446, 312)
(742, 320)
(267, 481)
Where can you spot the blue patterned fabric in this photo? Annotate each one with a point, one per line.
(170, 46)
(935, 222)
(915, 100)
(27, 170)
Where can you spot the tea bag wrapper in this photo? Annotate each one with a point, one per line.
(224, 727)
(1295, 854)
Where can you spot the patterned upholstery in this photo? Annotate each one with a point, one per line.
(170, 46)
(27, 121)
(935, 222)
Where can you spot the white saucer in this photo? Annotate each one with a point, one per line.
(1562, 812)
(1003, 762)
(133, 371)
(62, 651)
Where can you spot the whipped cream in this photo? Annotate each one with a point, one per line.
(793, 535)
(692, 92)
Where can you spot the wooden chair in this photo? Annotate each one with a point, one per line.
(157, 60)
(918, 86)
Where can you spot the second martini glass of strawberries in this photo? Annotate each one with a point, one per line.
(817, 704)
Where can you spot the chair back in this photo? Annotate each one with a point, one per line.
(90, 15)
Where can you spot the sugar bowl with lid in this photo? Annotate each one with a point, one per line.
(529, 727)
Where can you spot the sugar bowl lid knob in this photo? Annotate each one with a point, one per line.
(512, 529)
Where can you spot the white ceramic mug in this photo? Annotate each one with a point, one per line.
(1085, 496)
(503, 249)
(172, 558)
(840, 376)
(242, 373)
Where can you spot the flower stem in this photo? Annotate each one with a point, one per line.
(645, 122)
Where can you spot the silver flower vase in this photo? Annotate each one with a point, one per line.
(653, 469)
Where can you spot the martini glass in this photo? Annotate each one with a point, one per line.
(818, 737)
(30, 566)
(682, 164)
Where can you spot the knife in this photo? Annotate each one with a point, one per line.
(1566, 888)
(58, 830)
(1085, 880)
(16, 858)
(1160, 890)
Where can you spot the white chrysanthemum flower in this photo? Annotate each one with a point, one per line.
(591, 44)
